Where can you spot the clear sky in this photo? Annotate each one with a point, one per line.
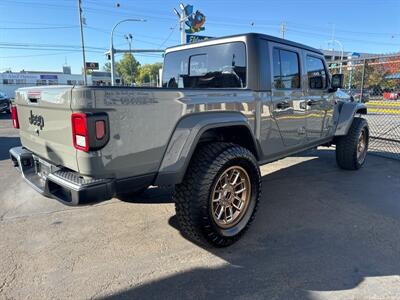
(42, 34)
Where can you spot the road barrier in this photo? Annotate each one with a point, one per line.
(376, 82)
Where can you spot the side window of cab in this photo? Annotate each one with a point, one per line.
(316, 73)
(286, 69)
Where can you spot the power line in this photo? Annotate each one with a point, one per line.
(60, 51)
(43, 54)
(36, 4)
(96, 8)
(374, 42)
(121, 35)
(125, 11)
(24, 45)
(261, 22)
(168, 37)
(46, 49)
(37, 28)
(32, 23)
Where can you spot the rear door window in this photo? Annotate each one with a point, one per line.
(286, 69)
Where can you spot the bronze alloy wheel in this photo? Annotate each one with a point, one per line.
(218, 197)
(362, 147)
(230, 197)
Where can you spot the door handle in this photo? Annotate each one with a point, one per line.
(283, 105)
(312, 102)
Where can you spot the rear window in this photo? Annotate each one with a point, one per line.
(218, 66)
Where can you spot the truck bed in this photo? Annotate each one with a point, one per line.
(142, 121)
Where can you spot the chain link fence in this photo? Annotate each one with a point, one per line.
(376, 82)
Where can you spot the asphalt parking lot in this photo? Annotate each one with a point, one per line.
(320, 233)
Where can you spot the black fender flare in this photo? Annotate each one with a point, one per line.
(346, 116)
(185, 138)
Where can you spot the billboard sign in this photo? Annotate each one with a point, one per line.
(92, 65)
(191, 38)
(194, 20)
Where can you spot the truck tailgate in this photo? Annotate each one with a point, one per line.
(44, 115)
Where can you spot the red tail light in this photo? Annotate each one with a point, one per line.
(80, 133)
(14, 117)
(100, 129)
(90, 131)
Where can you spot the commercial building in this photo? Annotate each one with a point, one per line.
(333, 57)
(11, 81)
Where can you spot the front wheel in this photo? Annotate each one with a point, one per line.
(352, 148)
(218, 197)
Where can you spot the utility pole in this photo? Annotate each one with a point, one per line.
(283, 30)
(333, 42)
(182, 29)
(82, 41)
(182, 17)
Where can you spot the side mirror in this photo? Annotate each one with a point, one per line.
(337, 81)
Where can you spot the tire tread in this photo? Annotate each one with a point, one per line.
(192, 194)
(346, 155)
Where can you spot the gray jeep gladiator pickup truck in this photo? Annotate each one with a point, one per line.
(226, 106)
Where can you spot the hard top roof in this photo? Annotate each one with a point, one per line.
(248, 35)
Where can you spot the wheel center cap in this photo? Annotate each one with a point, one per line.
(228, 195)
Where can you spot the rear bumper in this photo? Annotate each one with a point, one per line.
(68, 186)
(64, 185)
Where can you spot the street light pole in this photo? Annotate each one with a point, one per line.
(112, 50)
(82, 41)
(341, 56)
(333, 39)
(341, 52)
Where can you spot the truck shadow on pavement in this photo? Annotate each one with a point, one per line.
(7, 142)
(150, 196)
(4, 116)
(318, 228)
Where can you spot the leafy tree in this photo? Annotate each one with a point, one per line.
(127, 68)
(148, 73)
(130, 70)
(392, 64)
(88, 71)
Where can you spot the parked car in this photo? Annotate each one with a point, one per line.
(390, 95)
(5, 103)
(227, 105)
(356, 94)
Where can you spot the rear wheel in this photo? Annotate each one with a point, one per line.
(218, 197)
(351, 149)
